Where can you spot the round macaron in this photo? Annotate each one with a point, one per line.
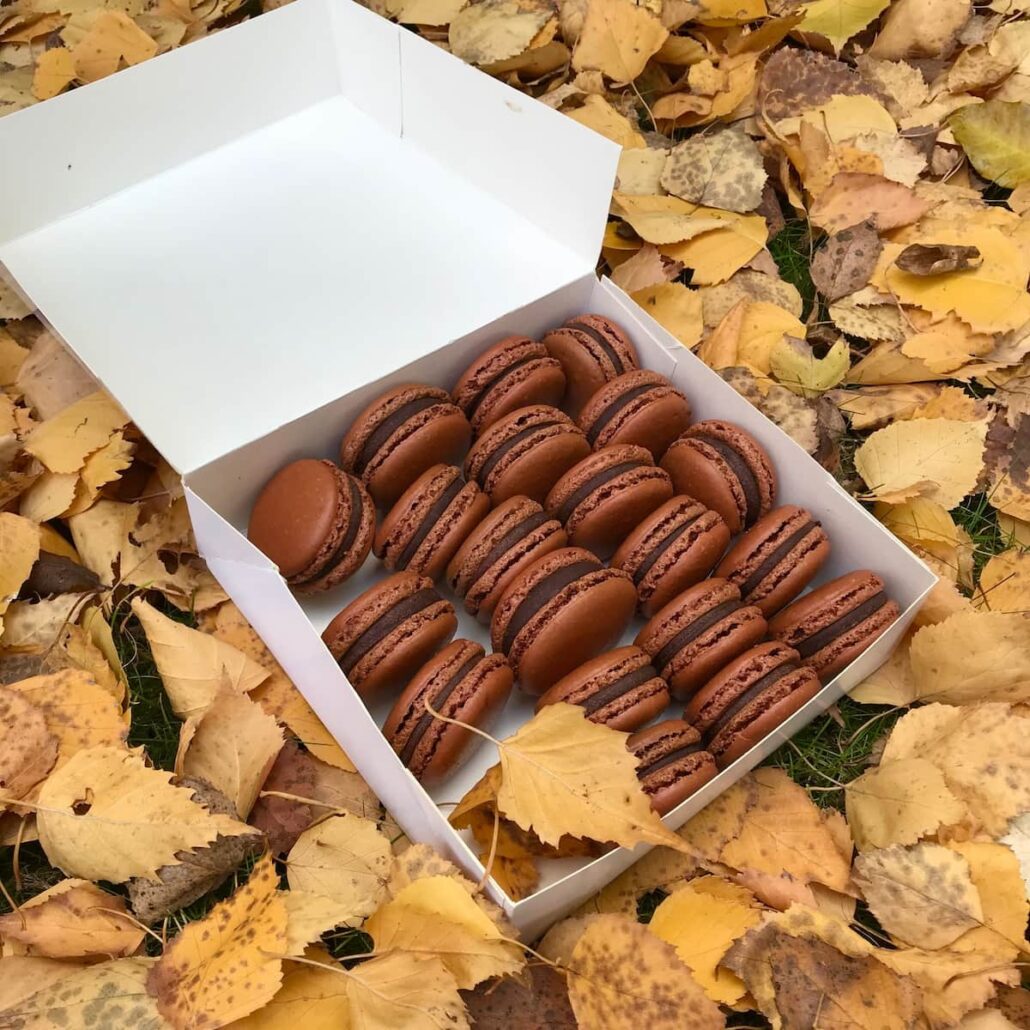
(525, 453)
(776, 558)
(833, 625)
(387, 632)
(619, 689)
(698, 632)
(640, 407)
(592, 350)
(672, 763)
(749, 698)
(510, 538)
(315, 522)
(513, 373)
(399, 435)
(563, 609)
(462, 682)
(675, 547)
(601, 498)
(428, 524)
(726, 469)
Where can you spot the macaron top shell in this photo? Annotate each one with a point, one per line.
(672, 549)
(564, 608)
(399, 435)
(604, 496)
(640, 407)
(511, 537)
(383, 635)
(725, 468)
(777, 558)
(619, 688)
(592, 350)
(315, 522)
(513, 373)
(672, 762)
(834, 624)
(525, 453)
(462, 683)
(430, 521)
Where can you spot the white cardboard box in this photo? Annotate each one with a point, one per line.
(247, 239)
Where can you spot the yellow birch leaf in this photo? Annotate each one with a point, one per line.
(718, 253)
(640, 170)
(676, 308)
(74, 919)
(939, 459)
(782, 832)
(1005, 583)
(102, 467)
(843, 118)
(112, 995)
(618, 38)
(12, 357)
(597, 114)
(624, 977)
(106, 816)
(437, 915)
(429, 12)
(308, 916)
(344, 858)
(797, 368)
(233, 747)
(63, 443)
(229, 963)
(660, 868)
(702, 927)
(996, 138)
(731, 12)
(311, 996)
(952, 402)
(919, 522)
(19, 549)
(663, 219)
(899, 802)
(55, 71)
(113, 37)
(495, 30)
(28, 750)
(973, 656)
(562, 774)
(748, 336)
(839, 20)
(195, 667)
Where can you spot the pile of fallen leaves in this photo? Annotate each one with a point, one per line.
(828, 202)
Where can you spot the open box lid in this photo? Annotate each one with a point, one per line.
(239, 231)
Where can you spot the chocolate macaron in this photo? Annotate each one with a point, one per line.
(462, 682)
(510, 538)
(592, 350)
(399, 435)
(601, 498)
(748, 699)
(833, 625)
(776, 558)
(698, 632)
(430, 521)
(726, 469)
(513, 373)
(315, 522)
(619, 689)
(672, 763)
(525, 453)
(387, 632)
(640, 407)
(675, 547)
(560, 611)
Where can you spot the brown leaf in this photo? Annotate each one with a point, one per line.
(55, 574)
(723, 170)
(647, 267)
(28, 750)
(935, 258)
(795, 80)
(854, 197)
(846, 261)
(542, 1002)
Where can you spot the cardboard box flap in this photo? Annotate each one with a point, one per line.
(283, 204)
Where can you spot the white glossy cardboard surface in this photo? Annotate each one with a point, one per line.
(240, 230)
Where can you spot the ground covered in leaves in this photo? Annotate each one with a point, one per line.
(826, 201)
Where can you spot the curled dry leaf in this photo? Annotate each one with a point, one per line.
(747, 336)
(229, 963)
(936, 258)
(437, 915)
(723, 169)
(922, 895)
(106, 816)
(846, 261)
(623, 977)
(645, 269)
(74, 919)
(701, 921)
(344, 858)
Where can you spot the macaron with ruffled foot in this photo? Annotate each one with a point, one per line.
(672, 763)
